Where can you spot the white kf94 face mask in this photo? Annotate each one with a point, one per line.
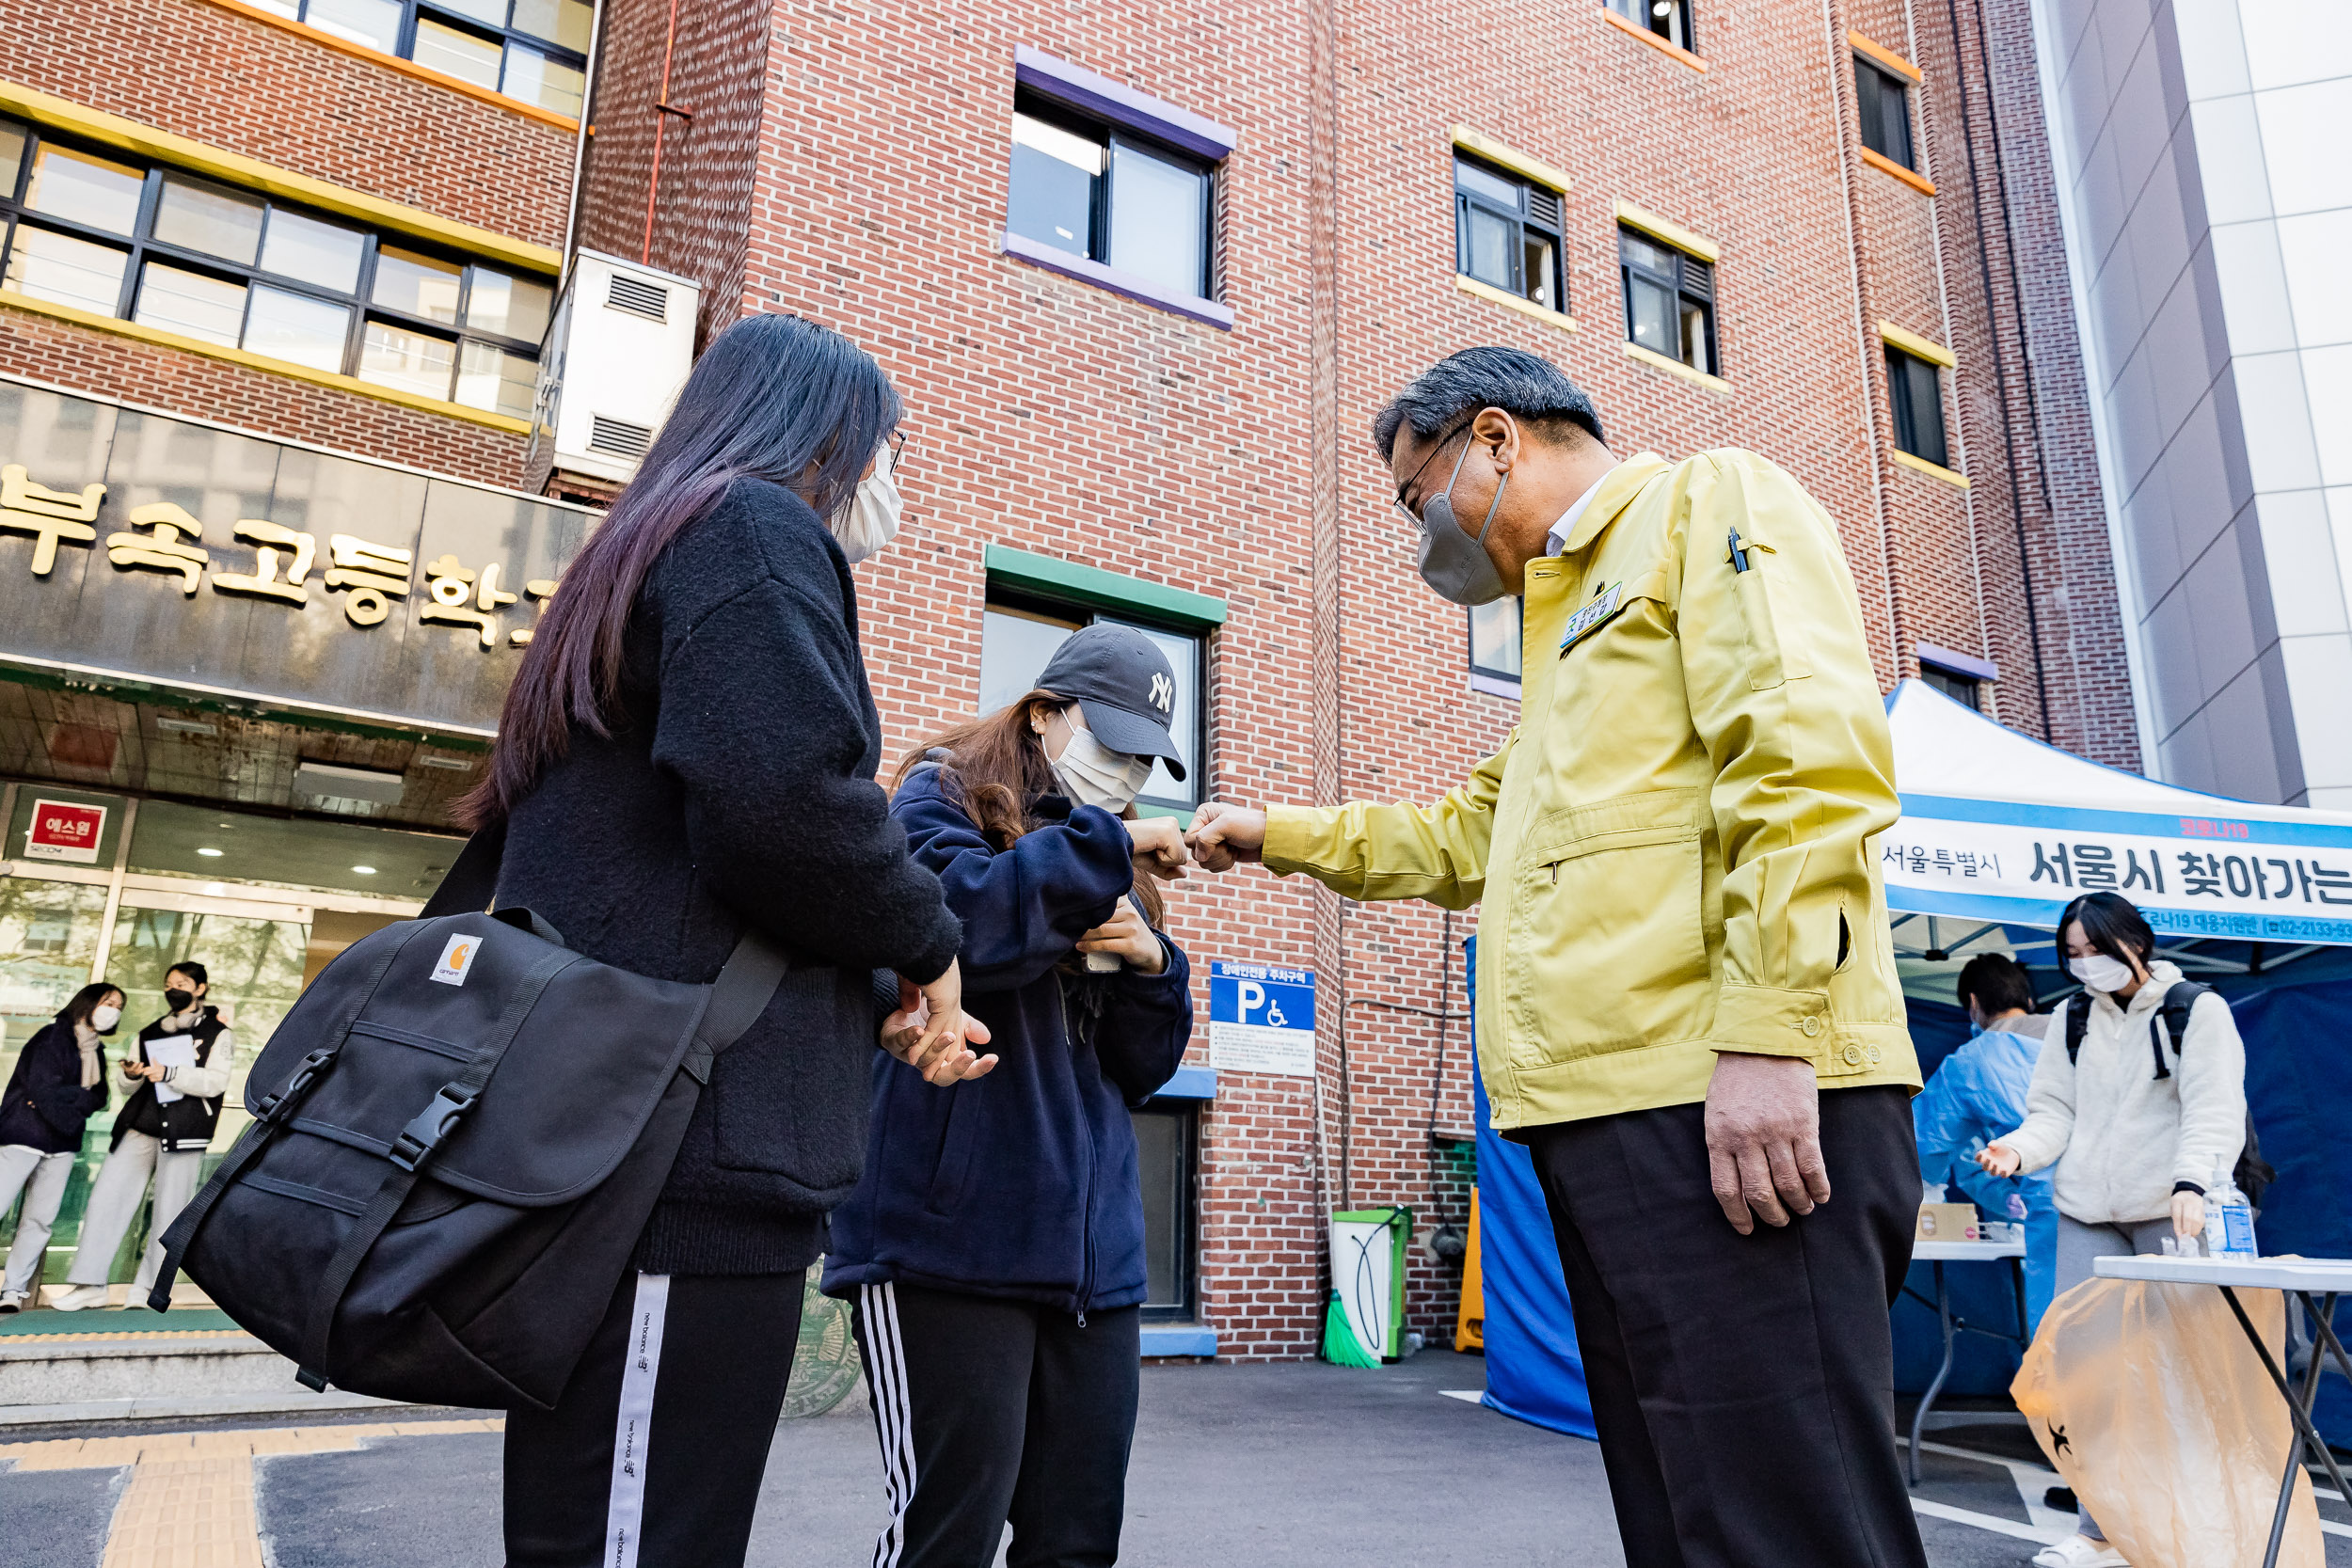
(2101, 973)
(1094, 775)
(871, 521)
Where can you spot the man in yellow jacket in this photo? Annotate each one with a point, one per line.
(1687, 1005)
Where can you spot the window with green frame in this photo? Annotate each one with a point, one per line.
(1035, 602)
(168, 249)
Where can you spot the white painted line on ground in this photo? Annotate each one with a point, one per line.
(1474, 1395)
(2036, 1533)
(2031, 1481)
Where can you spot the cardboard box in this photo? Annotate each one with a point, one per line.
(1949, 1222)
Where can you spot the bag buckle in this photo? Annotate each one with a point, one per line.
(423, 1136)
(296, 1087)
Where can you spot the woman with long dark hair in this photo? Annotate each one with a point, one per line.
(994, 1249)
(59, 1084)
(689, 749)
(2140, 1101)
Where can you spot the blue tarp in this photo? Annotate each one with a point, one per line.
(1534, 1371)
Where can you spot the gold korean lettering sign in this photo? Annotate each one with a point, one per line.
(369, 577)
(168, 553)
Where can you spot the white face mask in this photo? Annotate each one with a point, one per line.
(1094, 775)
(2101, 973)
(103, 1018)
(871, 519)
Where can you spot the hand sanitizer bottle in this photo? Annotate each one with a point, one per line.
(2228, 1218)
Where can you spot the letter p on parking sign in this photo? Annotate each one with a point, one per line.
(1261, 1018)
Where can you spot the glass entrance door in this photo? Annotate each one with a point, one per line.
(256, 967)
(48, 941)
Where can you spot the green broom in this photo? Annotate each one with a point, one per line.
(1340, 1344)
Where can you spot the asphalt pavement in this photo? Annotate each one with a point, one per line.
(1295, 1464)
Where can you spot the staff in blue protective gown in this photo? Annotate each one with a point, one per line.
(1978, 1095)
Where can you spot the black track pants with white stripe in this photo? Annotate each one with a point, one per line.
(994, 1412)
(653, 1457)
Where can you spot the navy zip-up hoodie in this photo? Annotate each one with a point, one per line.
(45, 1106)
(1022, 1183)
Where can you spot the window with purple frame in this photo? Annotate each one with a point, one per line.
(1110, 186)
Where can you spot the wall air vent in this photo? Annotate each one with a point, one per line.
(622, 342)
(618, 438)
(637, 296)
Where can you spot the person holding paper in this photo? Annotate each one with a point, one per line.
(182, 1070)
(1688, 1010)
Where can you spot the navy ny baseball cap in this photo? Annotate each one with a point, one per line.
(1122, 682)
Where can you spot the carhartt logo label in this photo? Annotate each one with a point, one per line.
(1163, 692)
(456, 958)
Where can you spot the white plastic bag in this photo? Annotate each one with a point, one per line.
(2151, 1403)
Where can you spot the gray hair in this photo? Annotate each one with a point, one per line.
(1525, 386)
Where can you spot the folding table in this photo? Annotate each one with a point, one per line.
(1939, 1254)
(2302, 1279)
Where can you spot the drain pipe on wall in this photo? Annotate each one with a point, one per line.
(579, 143)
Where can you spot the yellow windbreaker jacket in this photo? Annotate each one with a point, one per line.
(1673, 846)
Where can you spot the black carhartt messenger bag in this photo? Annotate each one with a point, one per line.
(459, 1133)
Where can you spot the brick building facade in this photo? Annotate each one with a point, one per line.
(1084, 439)
(1054, 412)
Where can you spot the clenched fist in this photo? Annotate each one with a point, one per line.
(1158, 847)
(1224, 836)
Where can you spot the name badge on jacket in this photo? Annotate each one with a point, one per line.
(1588, 619)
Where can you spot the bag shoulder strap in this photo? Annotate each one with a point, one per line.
(2177, 1003)
(2077, 1022)
(738, 996)
(472, 879)
(2173, 1013)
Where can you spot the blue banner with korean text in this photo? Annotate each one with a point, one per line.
(2252, 877)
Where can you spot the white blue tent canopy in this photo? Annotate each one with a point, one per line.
(1999, 831)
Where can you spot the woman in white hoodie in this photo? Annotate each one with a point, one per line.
(2137, 1121)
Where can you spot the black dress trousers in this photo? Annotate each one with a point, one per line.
(1742, 1386)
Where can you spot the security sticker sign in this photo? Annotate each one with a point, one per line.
(65, 830)
(1261, 1018)
(456, 958)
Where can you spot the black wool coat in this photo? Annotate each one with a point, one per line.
(738, 788)
(45, 1106)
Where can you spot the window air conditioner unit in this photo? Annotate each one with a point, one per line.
(618, 352)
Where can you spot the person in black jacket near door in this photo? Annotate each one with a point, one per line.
(994, 1250)
(59, 1083)
(689, 749)
(160, 1136)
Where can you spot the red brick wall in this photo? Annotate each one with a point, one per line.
(2064, 520)
(233, 82)
(693, 219)
(243, 86)
(1056, 417)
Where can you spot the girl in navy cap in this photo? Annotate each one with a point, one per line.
(993, 1250)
